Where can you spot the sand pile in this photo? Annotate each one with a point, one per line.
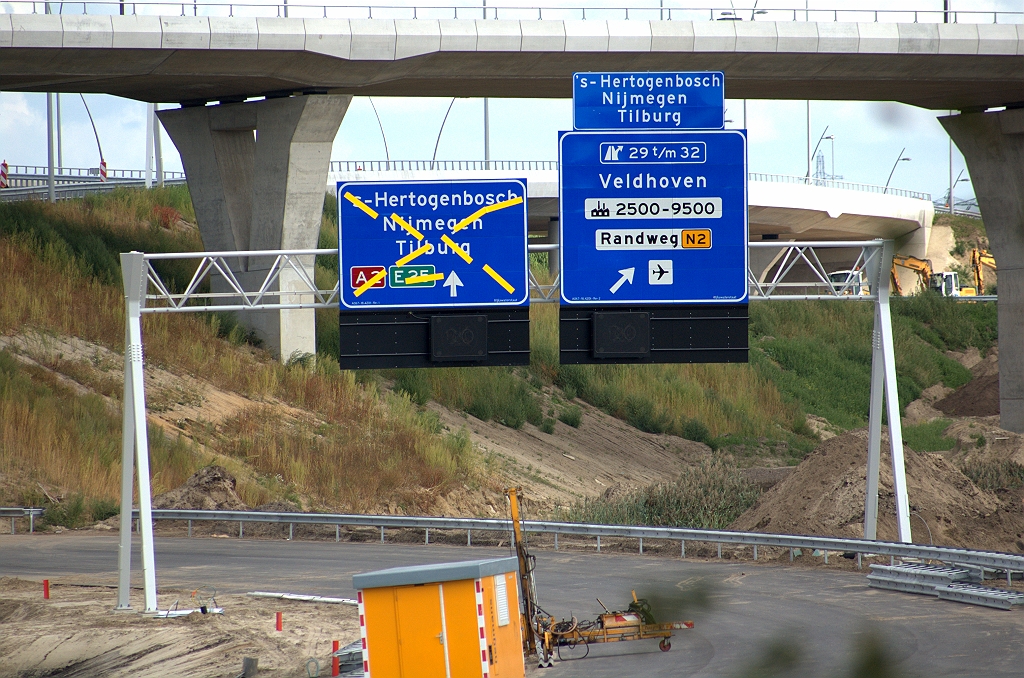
(209, 489)
(825, 496)
(977, 398)
(980, 396)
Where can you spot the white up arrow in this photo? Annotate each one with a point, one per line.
(453, 283)
(627, 276)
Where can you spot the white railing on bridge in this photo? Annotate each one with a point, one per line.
(552, 165)
(441, 165)
(673, 10)
(80, 173)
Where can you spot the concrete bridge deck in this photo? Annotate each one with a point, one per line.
(222, 58)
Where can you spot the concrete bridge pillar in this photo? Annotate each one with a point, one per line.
(993, 146)
(256, 173)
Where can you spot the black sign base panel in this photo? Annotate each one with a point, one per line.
(653, 334)
(434, 338)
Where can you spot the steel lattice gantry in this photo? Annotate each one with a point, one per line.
(147, 292)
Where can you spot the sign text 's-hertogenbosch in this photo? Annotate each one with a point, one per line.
(662, 101)
(433, 244)
(685, 225)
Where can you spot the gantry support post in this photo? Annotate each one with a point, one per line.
(135, 439)
(883, 383)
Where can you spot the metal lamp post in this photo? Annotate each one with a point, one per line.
(898, 161)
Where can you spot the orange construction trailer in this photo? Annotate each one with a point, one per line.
(450, 620)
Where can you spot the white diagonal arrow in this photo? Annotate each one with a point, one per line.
(627, 276)
(453, 283)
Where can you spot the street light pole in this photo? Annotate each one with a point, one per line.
(832, 141)
(898, 161)
(951, 182)
(808, 179)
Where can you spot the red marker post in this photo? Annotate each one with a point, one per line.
(280, 622)
(335, 661)
(46, 589)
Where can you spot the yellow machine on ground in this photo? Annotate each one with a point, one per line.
(923, 268)
(548, 636)
(979, 260)
(945, 283)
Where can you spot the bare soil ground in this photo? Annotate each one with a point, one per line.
(825, 494)
(980, 396)
(75, 634)
(554, 469)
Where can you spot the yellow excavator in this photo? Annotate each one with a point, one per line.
(979, 260)
(923, 268)
(945, 283)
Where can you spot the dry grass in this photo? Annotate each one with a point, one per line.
(726, 399)
(368, 447)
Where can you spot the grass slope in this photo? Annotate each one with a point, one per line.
(364, 442)
(357, 448)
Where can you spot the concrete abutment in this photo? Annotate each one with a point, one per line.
(256, 174)
(993, 146)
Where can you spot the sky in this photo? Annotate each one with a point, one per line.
(869, 137)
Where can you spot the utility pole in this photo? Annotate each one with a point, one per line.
(149, 145)
(51, 194)
(60, 142)
(487, 135)
(156, 149)
(950, 163)
(808, 179)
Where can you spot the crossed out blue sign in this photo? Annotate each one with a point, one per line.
(409, 244)
(653, 101)
(653, 217)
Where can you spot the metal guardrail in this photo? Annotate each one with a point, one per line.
(552, 165)
(845, 185)
(651, 12)
(68, 173)
(441, 165)
(30, 180)
(987, 559)
(68, 191)
(17, 512)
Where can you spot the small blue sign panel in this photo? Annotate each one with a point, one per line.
(653, 217)
(657, 101)
(443, 244)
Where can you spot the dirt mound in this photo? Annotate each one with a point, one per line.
(825, 496)
(209, 489)
(977, 398)
(767, 478)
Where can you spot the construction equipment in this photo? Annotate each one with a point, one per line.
(945, 283)
(850, 283)
(923, 268)
(546, 637)
(979, 260)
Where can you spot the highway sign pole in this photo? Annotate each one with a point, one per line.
(135, 439)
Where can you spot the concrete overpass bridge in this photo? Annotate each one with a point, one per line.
(781, 207)
(305, 70)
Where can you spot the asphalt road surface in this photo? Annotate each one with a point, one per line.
(752, 615)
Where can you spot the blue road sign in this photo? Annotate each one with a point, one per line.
(653, 217)
(444, 244)
(661, 101)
